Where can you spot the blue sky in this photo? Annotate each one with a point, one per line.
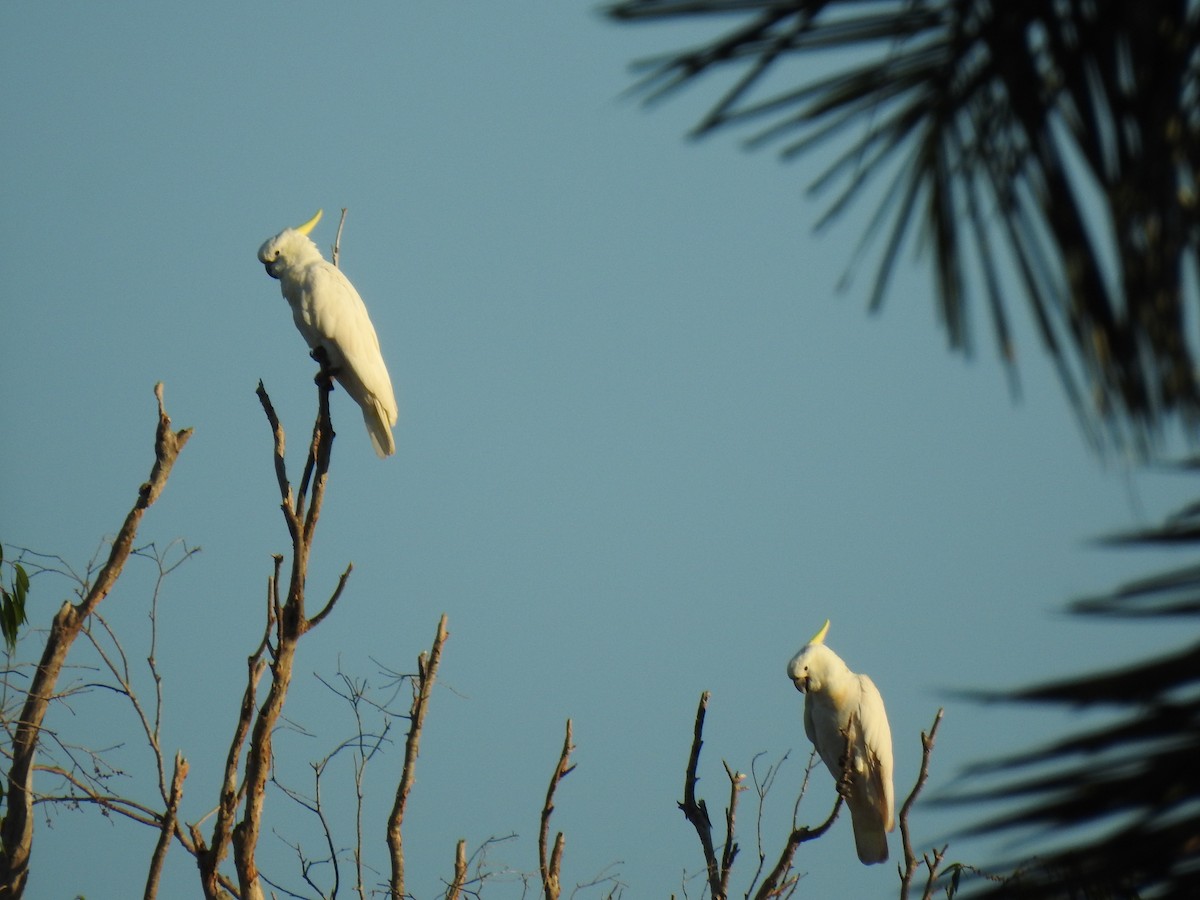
(645, 447)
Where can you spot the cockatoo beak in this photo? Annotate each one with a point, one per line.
(311, 223)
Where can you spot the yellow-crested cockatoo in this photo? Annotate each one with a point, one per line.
(332, 317)
(845, 720)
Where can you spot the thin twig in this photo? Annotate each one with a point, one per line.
(337, 592)
(335, 255)
(152, 653)
(280, 446)
(762, 786)
(315, 807)
(89, 793)
(911, 863)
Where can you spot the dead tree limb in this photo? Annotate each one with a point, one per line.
(292, 625)
(16, 833)
(286, 623)
(427, 666)
(696, 812)
(167, 832)
(454, 889)
(730, 851)
(551, 868)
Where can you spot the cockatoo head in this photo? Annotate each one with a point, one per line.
(813, 665)
(290, 246)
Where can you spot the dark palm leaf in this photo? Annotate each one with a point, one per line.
(1138, 775)
(1057, 142)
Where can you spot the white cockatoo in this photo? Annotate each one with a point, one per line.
(332, 317)
(845, 720)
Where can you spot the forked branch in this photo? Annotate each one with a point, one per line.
(696, 812)
(286, 624)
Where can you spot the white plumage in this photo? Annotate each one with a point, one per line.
(845, 720)
(331, 316)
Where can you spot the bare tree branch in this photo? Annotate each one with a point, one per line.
(285, 487)
(86, 792)
(168, 827)
(292, 626)
(696, 811)
(730, 851)
(337, 593)
(16, 833)
(776, 881)
(933, 860)
(427, 666)
(454, 889)
(551, 869)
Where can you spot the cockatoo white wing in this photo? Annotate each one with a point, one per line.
(876, 737)
(336, 319)
(870, 777)
(825, 727)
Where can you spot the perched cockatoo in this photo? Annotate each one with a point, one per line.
(332, 317)
(845, 719)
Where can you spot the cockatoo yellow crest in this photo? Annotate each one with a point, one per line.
(332, 317)
(846, 722)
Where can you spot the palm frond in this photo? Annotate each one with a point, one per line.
(1132, 784)
(1059, 141)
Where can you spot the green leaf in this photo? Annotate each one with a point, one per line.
(12, 605)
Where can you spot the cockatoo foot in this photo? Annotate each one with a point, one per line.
(328, 372)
